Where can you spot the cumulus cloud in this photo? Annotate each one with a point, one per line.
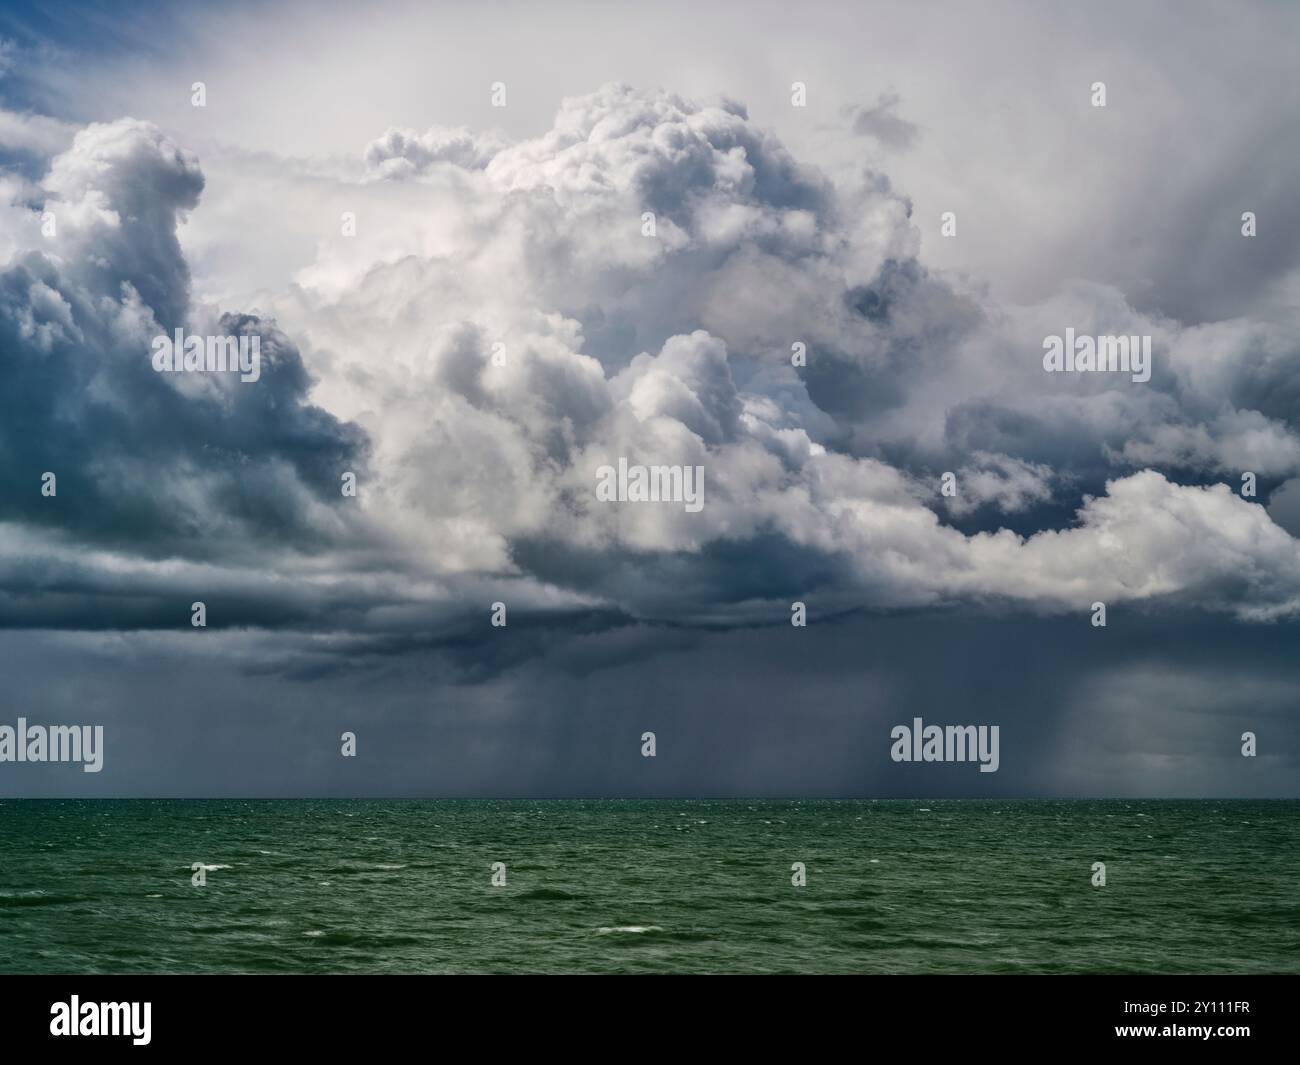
(1007, 483)
(520, 328)
(38, 134)
(406, 154)
(158, 465)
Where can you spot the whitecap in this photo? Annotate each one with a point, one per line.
(631, 928)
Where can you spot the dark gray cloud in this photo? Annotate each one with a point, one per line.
(882, 122)
(144, 463)
(1144, 707)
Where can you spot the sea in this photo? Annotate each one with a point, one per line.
(649, 886)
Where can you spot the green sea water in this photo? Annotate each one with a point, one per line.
(937, 886)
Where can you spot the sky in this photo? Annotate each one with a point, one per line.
(434, 219)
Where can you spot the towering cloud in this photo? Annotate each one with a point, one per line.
(146, 465)
(630, 284)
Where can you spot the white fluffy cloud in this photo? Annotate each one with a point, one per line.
(760, 251)
(675, 349)
(400, 154)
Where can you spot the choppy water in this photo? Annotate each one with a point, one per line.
(645, 886)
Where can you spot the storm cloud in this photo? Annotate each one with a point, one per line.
(482, 319)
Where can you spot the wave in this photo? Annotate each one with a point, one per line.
(546, 895)
(35, 898)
